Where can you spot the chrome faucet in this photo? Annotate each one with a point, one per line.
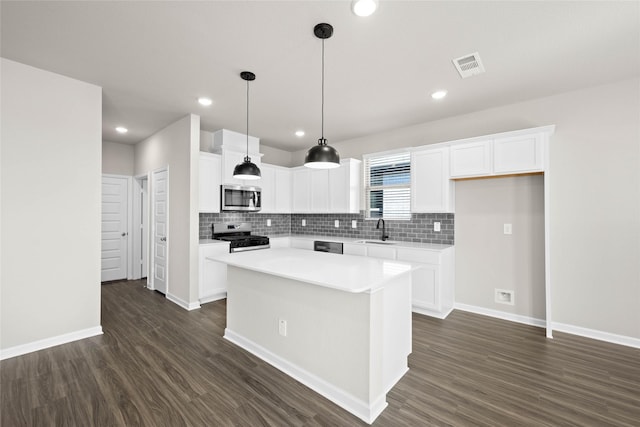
(385, 236)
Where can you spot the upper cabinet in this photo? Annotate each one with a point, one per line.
(209, 184)
(503, 154)
(327, 190)
(276, 189)
(233, 148)
(432, 190)
(518, 154)
(471, 159)
(344, 187)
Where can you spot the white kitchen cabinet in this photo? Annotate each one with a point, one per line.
(302, 243)
(213, 274)
(518, 154)
(280, 242)
(327, 191)
(276, 189)
(431, 188)
(233, 148)
(381, 251)
(344, 187)
(232, 158)
(433, 284)
(319, 190)
(354, 249)
(471, 159)
(300, 194)
(209, 183)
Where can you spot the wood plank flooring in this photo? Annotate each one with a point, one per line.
(159, 365)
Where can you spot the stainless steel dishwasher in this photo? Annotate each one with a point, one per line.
(331, 247)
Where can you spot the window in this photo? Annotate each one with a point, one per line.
(387, 180)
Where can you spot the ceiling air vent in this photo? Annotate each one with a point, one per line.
(469, 65)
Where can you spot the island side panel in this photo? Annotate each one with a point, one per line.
(328, 331)
(397, 329)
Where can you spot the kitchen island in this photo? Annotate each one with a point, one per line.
(340, 324)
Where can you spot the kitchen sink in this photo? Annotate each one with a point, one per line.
(376, 242)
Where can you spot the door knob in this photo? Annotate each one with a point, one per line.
(124, 234)
(163, 239)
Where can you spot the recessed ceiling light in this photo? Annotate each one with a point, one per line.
(205, 101)
(121, 129)
(299, 133)
(364, 7)
(439, 94)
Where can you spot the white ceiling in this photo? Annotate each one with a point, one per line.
(154, 59)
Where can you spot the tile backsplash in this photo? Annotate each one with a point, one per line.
(418, 229)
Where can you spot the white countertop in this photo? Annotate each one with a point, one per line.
(213, 242)
(348, 273)
(358, 240)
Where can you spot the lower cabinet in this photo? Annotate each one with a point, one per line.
(213, 275)
(433, 284)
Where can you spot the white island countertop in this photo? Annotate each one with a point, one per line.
(348, 273)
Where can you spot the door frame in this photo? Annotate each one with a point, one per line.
(129, 199)
(138, 195)
(152, 254)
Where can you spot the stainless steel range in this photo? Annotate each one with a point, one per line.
(239, 237)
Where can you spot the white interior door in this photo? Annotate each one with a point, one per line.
(114, 228)
(160, 186)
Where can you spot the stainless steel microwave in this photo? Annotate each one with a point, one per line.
(236, 198)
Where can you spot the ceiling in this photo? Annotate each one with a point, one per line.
(154, 59)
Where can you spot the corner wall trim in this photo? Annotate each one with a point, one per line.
(597, 335)
(526, 320)
(21, 349)
(182, 303)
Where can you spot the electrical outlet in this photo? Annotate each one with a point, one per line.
(508, 229)
(436, 226)
(282, 327)
(304, 222)
(336, 223)
(354, 223)
(268, 223)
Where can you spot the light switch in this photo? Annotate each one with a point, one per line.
(436, 226)
(336, 223)
(304, 222)
(268, 223)
(354, 223)
(508, 229)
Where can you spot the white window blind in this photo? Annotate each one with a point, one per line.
(387, 179)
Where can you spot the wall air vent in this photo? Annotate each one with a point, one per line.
(469, 65)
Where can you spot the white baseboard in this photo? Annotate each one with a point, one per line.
(555, 326)
(501, 315)
(182, 303)
(19, 350)
(431, 313)
(596, 335)
(366, 412)
(213, 297)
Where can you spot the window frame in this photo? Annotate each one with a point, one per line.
(368, 188)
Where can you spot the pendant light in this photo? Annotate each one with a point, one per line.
(322, 156)
(246, 169)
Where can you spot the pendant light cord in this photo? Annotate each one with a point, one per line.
(247, 158)
(322, 140)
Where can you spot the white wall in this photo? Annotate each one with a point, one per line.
(595, 194)
(275, 156)
(117, 158)
(51, 197)
(487, 258)
(177, 146)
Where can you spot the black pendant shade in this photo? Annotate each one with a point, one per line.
(247, 169)
(322, 156)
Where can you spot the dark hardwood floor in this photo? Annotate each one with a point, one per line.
(159, 365)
